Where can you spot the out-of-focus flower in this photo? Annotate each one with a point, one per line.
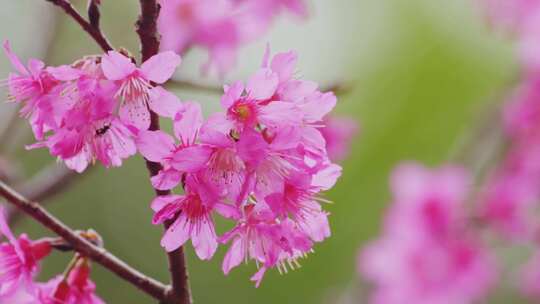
(510, 14)
(530, 277)
(338, 133)
(510, 194)
(426, 254)
(219, 26)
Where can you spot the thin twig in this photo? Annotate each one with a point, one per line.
(45, 184)
(93, 31)
(149, 37)
(83, 246)
(338, 88)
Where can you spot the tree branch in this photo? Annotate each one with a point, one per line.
(93, 31)
(85, 247)
(149, 37)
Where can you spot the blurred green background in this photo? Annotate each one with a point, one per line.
(421, 72)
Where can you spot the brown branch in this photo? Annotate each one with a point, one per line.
(338, 88)
(93, 31)
(45, 184)
(85, 247)
(149, 37)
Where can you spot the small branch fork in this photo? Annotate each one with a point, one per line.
(92, 26)
(149, 37)
(80, 244)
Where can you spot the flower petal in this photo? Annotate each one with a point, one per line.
(163, 102)
(263, 84)
(116, 66)
(160, 68)
(155, 145)
(177, 234)
(187, 123)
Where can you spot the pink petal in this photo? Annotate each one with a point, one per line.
(296, 90)
(279, 113)
(227, 211)
(191, 159)
(188, 122)
(17, 64)
(177, 234)
(204, 239)
(155, 145)
(4, 230)
(232, 93)
(167, 212)
(116, 66)
(161, 67)
(284, 64)
(163, 102)
(35, 66)
(263, 84)
(258, 276)
(166, 179)
(327, 177)
(135, 113)
(161, 201)
(64, 73)
(317, 106)
(234, 256)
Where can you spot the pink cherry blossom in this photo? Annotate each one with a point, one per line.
(19, 263)
(186, 157)
(194, 217)
(38, 92)
(260, 237)
(135, 84)
(90, 131)
(427, 216)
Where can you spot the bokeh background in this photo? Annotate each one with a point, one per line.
(421, 72)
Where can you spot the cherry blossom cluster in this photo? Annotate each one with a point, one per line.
(219, 26)
(20, 260)
(262, 163)
(92, 110)
(427, 252)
